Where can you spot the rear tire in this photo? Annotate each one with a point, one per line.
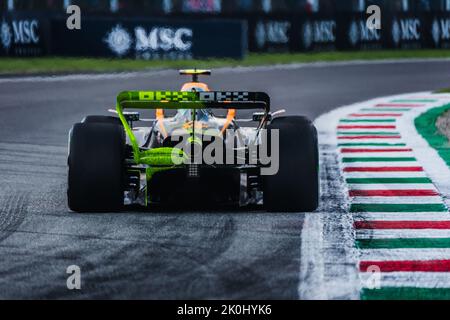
(96, 167)
(102, 119)
(295, 188)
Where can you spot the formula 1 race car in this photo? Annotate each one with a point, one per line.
(193, 156)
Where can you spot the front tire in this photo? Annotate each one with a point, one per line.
(295, 188)
(96, 167)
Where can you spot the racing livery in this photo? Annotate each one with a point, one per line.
(193, 156)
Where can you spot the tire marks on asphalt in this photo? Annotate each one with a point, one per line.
(12, 213)
(19, 163)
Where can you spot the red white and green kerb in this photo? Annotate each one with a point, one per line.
(402, 225)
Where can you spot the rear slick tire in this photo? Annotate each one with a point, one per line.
(102, 119)
(96, 167)
(295, 188)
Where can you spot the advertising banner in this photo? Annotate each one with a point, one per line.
(271, 34)
(23, 34)
(316, 32)
(200, 36)
(292, 33)
(403, 31)
(437, 30)
(157, 38)
(354, 34)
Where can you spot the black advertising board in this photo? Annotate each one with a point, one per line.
(299, 33)
(190, 36)
(157, 38)
(437, 30)
(24, 34)
(292, 33)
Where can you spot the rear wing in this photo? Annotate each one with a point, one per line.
(240, 100)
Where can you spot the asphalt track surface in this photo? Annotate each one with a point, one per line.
(192, 254)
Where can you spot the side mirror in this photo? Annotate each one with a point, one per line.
(259, 116)
(132, 116)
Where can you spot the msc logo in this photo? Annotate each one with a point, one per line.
(272, 32)
(159, 39)
(405, 30)
(318, 32)
(19, 32)
(165, 39)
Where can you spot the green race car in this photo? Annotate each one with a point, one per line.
(193, 156)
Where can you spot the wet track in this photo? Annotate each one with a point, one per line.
(195, 254)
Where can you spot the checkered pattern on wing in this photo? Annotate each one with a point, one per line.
(242, 96)
(173, 96)
(232, 96)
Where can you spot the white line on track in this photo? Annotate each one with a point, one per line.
(356, 130)
(328, 267)
(410, 186)
(384, 155)
(385, 109)
(393, 146)
(402, 216)
(312, 263)
(332, 238)
(398, 200)
(374, 140)
(402, 234)
(376, 164)
(373, 120)
(404, 254)
(416, 279)
(419, 174)
(368, 116)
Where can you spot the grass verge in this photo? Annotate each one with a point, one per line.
(55, 65)
(426, 126)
